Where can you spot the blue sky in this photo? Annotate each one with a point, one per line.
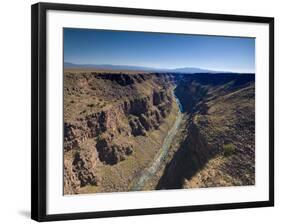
(90, 46)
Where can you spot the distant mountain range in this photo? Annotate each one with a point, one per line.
(190, 70)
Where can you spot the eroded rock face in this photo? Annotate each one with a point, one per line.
(159, 97)
(111, 152)
(70, 180)
(79, 170)
(70, 136)
(134, 117)
(149, 112)
(121, 79)
(127, 115)
(218, 146)
(84, 169)
(193, 153)
(89, 127)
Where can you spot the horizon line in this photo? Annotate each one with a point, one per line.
(158, 68)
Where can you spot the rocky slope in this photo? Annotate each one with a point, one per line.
(115, 125)
(217, 146)
(104, 114)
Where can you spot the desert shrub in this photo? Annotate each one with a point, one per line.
(229, 149)
(99, 138)
(90, 105)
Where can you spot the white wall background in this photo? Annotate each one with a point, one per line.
(15, 110)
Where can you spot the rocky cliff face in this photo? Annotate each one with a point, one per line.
(134, 117)
(137, 106)
(79, 169)
(217, 148)
(115, 124)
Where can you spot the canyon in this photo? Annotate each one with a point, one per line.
(131, 131)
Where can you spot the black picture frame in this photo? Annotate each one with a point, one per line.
(38, 108)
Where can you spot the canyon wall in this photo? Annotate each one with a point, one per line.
(107, 133)
(220, 130)
(112, 117)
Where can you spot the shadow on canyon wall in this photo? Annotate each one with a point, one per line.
(194, 92)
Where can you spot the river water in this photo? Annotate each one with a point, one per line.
(151, 171)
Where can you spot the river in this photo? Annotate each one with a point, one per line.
(151, 171)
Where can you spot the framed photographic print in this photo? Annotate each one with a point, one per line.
(139, 111)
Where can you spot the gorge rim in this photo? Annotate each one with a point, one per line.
(151, 111)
